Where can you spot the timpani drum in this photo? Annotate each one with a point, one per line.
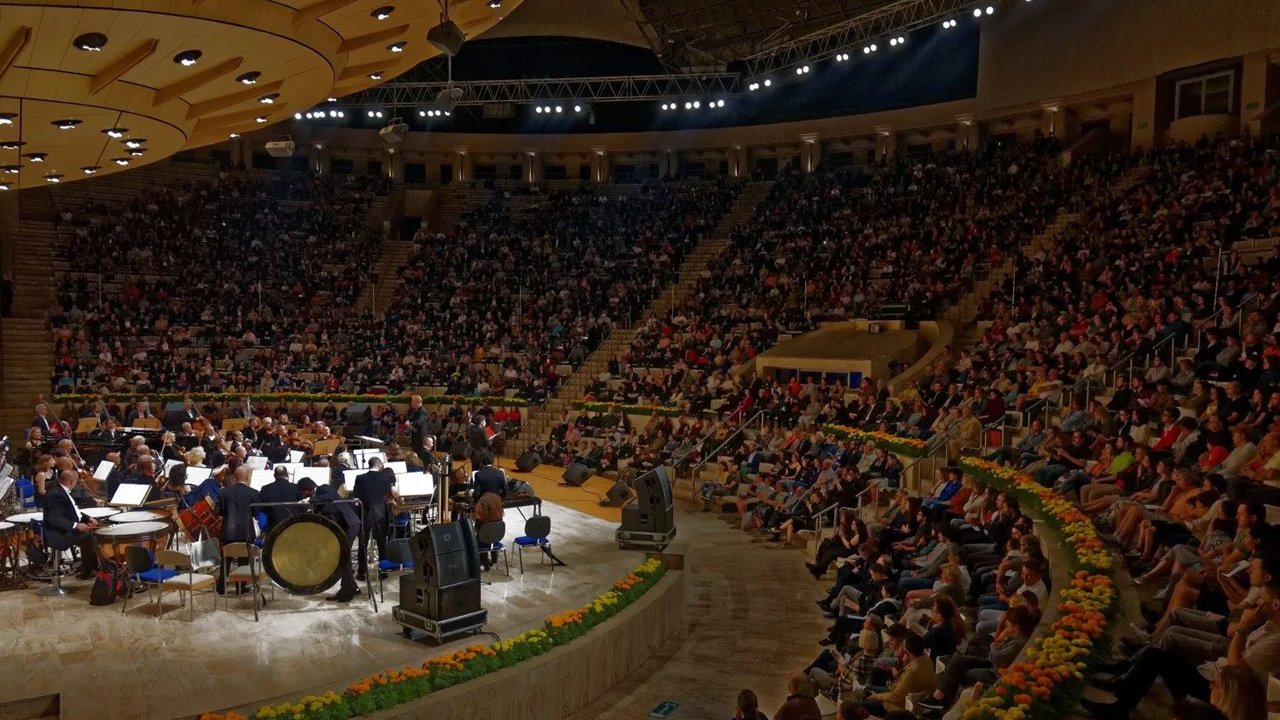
(152, 534)
(11, 537)
(134, 516)
(98, 513)
(26, 518)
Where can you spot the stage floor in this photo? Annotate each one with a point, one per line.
(548, 485)
(109, 665)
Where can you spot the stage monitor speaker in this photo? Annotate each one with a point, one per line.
(576, 474)
(639, 518)
(445, 554)
(439, 603)
(618, 495)
(528, 460)
(653, 489)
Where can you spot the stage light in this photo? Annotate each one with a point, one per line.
(90, 42)
(873, 47)
(893, 42)
(187, 58)
(977, 12)
(991, 10)
(298, 116)
(720, 103)
(577, 108)
(422, 113)
(753, 86)
(538, 109)
(233, 136)
(688, 106)
(559, 109)
(90, 169)
(377, 113)
(948, 24)
(697, 104)
(866, 50)
(334, 113)
(768, 82)
(249, 78)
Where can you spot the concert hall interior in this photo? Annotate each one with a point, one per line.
(576, 359)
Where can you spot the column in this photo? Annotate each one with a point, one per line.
(393, 165)
(810, 152)
(531, 166)
(736, 170)
(966, 132)
(886, 142)
(1051, 119)
(599, 164)
(1255, 76)
(318, 160)
(463, 162)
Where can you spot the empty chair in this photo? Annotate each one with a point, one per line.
(536, 531)
(249, 572)
(489, 540)
(142, 569)
(398, 558)
(186, 580)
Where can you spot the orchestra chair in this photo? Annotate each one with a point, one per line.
(536, 530)
(55, 589)
(249, 572)
(26, 491)
(143, 569)
(187, 581)
(489, 540)
(398, 559)
(261, 519)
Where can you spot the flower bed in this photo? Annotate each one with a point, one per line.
(911, 447)
(393, 687)
(604, 407)
(1049, 682)
(166, 397)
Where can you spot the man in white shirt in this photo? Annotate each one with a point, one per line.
(65, 526)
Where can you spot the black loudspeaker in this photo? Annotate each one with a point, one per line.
(528, 460)
(576, 474)
(652, 511)
(618, 495)
(445, 554)
(439, 603)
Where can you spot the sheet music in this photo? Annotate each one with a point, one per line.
(130, 495)
(413, 484)
(296, 456)
(103, 470)
(318, 475)
(256, 462)
(398, 466)
(197, 475)
(169, 465)
(349, 478)
(261, 478)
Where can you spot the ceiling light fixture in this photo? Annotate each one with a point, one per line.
(36, 156)
(11, 169)
(375, 75)
(495, 4)
(11, 144)
(4, 186)
(8, 118)
(249, 78)
(120, 161)
(269, 98)
(234, 135)
(382, 13)
(397, 47)
(90, 169)
(65, 123)
(134, 143)
(187, 58)
(90, 42)
(53, 178)
(116, 132)
(137, 152)
(260, 119)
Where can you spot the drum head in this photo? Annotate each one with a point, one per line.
(100, 512)
(303, 554)
(7, 527)
(142, 529)
(133, 516)
(26, 517)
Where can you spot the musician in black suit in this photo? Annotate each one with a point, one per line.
(65, 526)
(372, 489)
(479, 441)
(237, 516)
(47, 425)
(488, 479)
(279, 490)
(140, 410)
(245, 410)
(107, 432)
(341, 513)
(417, 419)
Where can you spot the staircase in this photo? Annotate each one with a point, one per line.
(538, 422)
(375, 297)
(963, 314)
(455, 200)
(26, 344)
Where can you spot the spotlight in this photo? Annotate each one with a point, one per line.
(720, 103)
(902, 40)
(333, 113)
(577, 108)
(120, 161)
(697, 104)
(383, 12)
(342, 114)
(332, 99)
(752, 87)
(538, 109)
(90, 169)
(768, 82)
(66, 124)
(375, 75)
(187, 58)
(991, 10)
(377, 113)
(422, 113)
(249, 78)
(866, 50)
(893, 42)
(948, 24)
(298, 116)
(688, 106)
(370, 113)
(7, 118)
(90, 42)
(977, 12)
(559, 109)
(269, 98)
(799, 71)
(260, 119)
(397, 47)
(873, 47)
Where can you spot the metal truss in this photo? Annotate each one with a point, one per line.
(528, 91)
(879, 24)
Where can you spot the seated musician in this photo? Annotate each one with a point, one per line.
(45, 476)
(488, 478)
(169, 449)
(488, 509)
(66, 527)
(279, 490)
(107, 433)
(63, 461)
(324, 498)
(46, 423)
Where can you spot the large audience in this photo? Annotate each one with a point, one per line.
(1133, 371)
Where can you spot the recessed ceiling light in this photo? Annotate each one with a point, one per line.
(375, 75)
(332, 99)
(116, 132)
(187, 58)
(382, 13)
(135, 142)
(248, 78)
(120, 161)
(268, 98)
(36, 156)
(65, 123)
(90, 169)
(90, 42)
(234, 135)
(397, 47)
(4, 186)
(137, 152)
(11, 144)
(260, 118)
(11, 169)
(53, 178)
(8, 118)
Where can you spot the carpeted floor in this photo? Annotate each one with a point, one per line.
(547, 483)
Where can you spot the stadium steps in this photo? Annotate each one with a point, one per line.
(539, 421)
(376, 296)
(455, 200)
(26, 344)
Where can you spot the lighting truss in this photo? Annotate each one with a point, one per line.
(618, 88)
(894, 18)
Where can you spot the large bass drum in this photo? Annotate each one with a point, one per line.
(303, 554)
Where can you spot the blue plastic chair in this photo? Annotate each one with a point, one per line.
(143, 569)
(489, 540)
(536, 531)
(398, 559)
(261, 519)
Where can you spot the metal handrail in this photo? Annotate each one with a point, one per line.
(741, 426)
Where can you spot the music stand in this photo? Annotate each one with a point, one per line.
(130, 495)
(103, 470)
(256, 462)
(318, 475)
(229, 424)
(261, 478)
(146, 423)
(85, 424)
(326, 447)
